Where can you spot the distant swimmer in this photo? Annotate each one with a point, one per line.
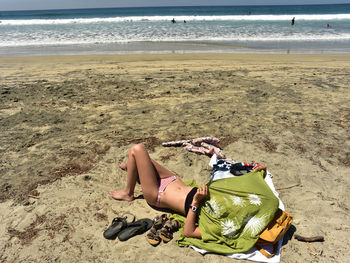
(173, 21)
(185, 21)
(293, 21)
(328, 25)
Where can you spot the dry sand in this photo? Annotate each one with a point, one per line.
(66, 123)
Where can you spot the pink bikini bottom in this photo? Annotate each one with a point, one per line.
(162, 185)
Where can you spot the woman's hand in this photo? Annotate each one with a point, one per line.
(259, 167)
(201, 193)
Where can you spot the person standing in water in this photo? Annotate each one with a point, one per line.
(293, 21)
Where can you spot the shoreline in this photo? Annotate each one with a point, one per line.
(66, 122)
(223, 57)
(181, 47)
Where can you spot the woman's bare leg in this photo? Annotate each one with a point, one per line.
(162, 171)
(123, 166)
(140, 165)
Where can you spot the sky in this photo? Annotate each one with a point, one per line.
(67, 4)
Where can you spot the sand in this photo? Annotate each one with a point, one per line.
(66, 123)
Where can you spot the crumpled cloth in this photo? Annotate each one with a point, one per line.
(201, 145)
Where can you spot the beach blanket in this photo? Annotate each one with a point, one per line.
(231, 238)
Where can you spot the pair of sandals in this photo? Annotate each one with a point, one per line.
(162, 229)
(126, 227)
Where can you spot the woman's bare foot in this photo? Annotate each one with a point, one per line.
(123, 166)
(121, 195)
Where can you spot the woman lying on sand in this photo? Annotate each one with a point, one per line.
(161, 188)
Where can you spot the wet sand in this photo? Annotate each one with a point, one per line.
(66, 122)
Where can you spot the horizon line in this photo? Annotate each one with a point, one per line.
(151, 6)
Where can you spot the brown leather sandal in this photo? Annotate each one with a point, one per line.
(166, 232)
(153, 237)
(159, 221)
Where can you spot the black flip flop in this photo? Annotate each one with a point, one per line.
(118, 224)
(136, 228)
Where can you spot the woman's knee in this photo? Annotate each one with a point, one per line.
(135, 149)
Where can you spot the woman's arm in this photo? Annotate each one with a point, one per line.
(190, 229)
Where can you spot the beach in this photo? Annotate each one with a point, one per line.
(67, 122)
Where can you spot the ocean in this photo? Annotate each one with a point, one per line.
(213, 29)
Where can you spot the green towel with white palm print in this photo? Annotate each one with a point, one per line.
(236, 211)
